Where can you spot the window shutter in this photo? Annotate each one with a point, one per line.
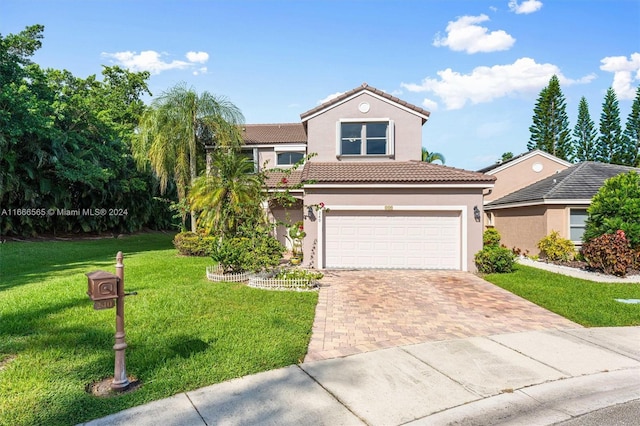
(391, 139)
(338, 138)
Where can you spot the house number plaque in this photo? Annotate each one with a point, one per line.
(388, 207)
(104, 304)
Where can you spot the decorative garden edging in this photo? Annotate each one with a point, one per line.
(214, 273)
(267, 282)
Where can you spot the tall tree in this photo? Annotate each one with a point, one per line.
(175, 129)
(632, 133)
(430, 157)
(611, 142)
(585, 134)
(229, 194)
(550, 130)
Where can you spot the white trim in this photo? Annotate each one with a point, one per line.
(569, 202)
(375, 95)
(289, 148)
(462, 209)
(396, 185)
(525, 157)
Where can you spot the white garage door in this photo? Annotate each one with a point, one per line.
(392, 239)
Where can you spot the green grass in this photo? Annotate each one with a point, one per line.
(183, 331)
(588, 303)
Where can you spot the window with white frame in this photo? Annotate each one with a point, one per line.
(288, 158)
(251, 154)
(289, 155)
(577, 219)
(365, 138)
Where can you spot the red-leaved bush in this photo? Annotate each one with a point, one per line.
(610, 253)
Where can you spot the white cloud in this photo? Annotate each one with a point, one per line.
(152, 61)
(430, 105)
(484, 84)
(465, 35)
(330, 97)
(199, 57)
(625, 72)
(526, 7)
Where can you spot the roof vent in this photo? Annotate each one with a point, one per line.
(554, 181)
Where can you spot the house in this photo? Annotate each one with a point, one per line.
(520, 171)
(556, 203)
(367, 200)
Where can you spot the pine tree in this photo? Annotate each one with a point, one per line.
(550, 130)
(585, 134)
(611, 140)
(632, 133)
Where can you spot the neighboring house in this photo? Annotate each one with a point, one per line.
(368, 201)
(521, 171)
(556, 203)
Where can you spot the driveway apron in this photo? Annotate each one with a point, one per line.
(364, 310)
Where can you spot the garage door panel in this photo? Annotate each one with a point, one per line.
(398, 239)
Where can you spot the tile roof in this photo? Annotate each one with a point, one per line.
(366, 87)
(256, 134)
(273, 179)
(410, 172)
(578, 182)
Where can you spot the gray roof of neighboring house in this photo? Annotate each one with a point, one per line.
(578, 182)
(257, 134)
(366, 87)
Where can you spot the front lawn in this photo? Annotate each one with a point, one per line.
(588, 303)
(183, 331)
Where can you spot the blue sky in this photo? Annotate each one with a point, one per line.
(477, 65)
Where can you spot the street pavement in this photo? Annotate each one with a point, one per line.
(540, 377)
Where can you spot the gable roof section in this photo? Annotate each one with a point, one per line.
(495, 168)
(578, 182)
(423, 113)
(258, 134)
(404, 172)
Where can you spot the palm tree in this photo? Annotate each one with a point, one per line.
(173, 131)
(430, 157)
(230, 194)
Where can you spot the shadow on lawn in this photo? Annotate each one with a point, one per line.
(29, 262)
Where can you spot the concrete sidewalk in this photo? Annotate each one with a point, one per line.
(533, 378)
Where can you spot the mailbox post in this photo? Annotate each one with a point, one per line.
(107, 290)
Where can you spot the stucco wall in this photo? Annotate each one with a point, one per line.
(522, 174)
(521, 227)
(420, 197)
(321, 130)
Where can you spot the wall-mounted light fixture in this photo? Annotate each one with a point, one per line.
(476, 213)
(310, 213)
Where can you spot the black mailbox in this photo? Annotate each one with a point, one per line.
(102, 285)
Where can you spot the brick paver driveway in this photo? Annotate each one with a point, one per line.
(364, 310)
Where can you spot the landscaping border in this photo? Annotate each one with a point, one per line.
(215, 274)
(267, 282)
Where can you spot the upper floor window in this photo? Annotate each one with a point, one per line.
(365, 138)
(252, 155)
(288, 158)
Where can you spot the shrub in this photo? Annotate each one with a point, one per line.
(494, 259)
(616, 206)
(554, 247)
(192, 244)
(491, 237)
(241, 254)
(610, 253)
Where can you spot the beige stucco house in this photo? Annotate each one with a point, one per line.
(558, 202)
(367, 200)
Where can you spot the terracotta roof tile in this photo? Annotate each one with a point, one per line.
(411, 172)
(274, 179)
(366, 87)
(256, 134)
